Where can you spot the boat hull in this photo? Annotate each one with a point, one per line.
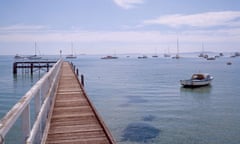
(71, 57)
(109, 57)
(195, 86)
(193, 83)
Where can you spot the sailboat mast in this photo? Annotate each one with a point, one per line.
(35, 48)
(177, 55)
(177, 47)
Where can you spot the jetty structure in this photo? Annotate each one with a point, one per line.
(32, 65)
(57, 110)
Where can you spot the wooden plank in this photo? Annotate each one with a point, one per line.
(101, 140)
(73, 119)
(76, 135)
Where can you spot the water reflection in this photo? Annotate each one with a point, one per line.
(27, 77)
(200, 90)
(201, 94)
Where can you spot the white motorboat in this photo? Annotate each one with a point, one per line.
(142, 57)
(17, 56)
(109, 57)
(197, 80)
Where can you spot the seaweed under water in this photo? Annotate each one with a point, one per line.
(136, 99)
(148, 118)
(140, 132)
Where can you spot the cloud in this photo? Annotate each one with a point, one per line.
(202, 20)
(125, 41)
(22, 28)
(84, 36)
(139, 37)
(127, 4)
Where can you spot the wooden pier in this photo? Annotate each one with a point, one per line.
(74, 120)
(63, 112)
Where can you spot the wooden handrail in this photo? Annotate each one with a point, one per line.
(39, 92)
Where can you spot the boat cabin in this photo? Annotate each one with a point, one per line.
(198, 76)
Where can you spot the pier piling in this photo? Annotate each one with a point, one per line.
(82, 79)
(14, 68)
(77, 72)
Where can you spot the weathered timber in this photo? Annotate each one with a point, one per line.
(74, 119)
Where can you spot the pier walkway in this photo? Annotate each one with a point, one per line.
(74, 120)
(61, 112)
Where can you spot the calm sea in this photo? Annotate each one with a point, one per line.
(141, 100)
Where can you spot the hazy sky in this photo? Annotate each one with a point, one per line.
(118, 26)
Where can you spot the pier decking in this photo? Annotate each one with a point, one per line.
(74, 120)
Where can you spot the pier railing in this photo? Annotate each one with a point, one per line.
(42, 93)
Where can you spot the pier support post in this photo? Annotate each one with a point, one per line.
(82, 79)
(77, 72)
(47, 67)
(15, 68)
(31, 68)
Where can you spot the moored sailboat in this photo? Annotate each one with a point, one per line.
(71, 56)
(35, 56)
(167, 54)
(177, 55)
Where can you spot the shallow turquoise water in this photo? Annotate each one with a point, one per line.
(135, 95)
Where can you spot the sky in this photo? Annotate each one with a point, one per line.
(118, 26)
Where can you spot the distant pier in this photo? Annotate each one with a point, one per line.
(31, 65)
